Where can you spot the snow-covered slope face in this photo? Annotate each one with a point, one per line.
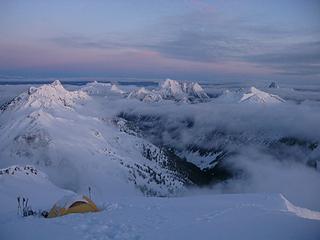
(157, 148)
(229, 216)
(78, 146)
(255, 95)
(252, 96)
(28, 182)
(122, 147)
(172, 90)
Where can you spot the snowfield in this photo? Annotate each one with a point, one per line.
(239, 216)
(177, 161)
(227, 216)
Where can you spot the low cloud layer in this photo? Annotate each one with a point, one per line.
(275, 145)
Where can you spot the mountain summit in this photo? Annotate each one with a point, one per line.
(172, 90)
(49, 128)
(255, 95)
(46, 96)
(252, 95)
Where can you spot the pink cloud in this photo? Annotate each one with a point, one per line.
(125, 61)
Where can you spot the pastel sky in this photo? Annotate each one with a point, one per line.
(182, 39)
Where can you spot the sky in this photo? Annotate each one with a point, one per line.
(203, 40)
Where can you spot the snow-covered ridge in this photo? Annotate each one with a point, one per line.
(255, 95)
(98, 88)
(84, 145)
(171, 90)
(229, 216)
(40, 129)
(300, 212)
(28, 182)
(47, 96)
(252, 95)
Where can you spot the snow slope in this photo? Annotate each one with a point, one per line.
(238, 216)
(26, 181)
(251, 96)
(255, 95)
(72, 141)
(60, 132)
(229, 216)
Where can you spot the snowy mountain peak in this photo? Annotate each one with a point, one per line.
(252, 95)
(172, 90)
(56, 83)
(196, 90)
(55, 88)
(48, 89)
(255, 91)
(175, 90)
(172, 87)
(145, 95)
(47, 96)
(255, 95)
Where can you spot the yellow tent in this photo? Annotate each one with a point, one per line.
(72, 204)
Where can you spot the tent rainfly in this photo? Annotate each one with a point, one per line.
(72, 204)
